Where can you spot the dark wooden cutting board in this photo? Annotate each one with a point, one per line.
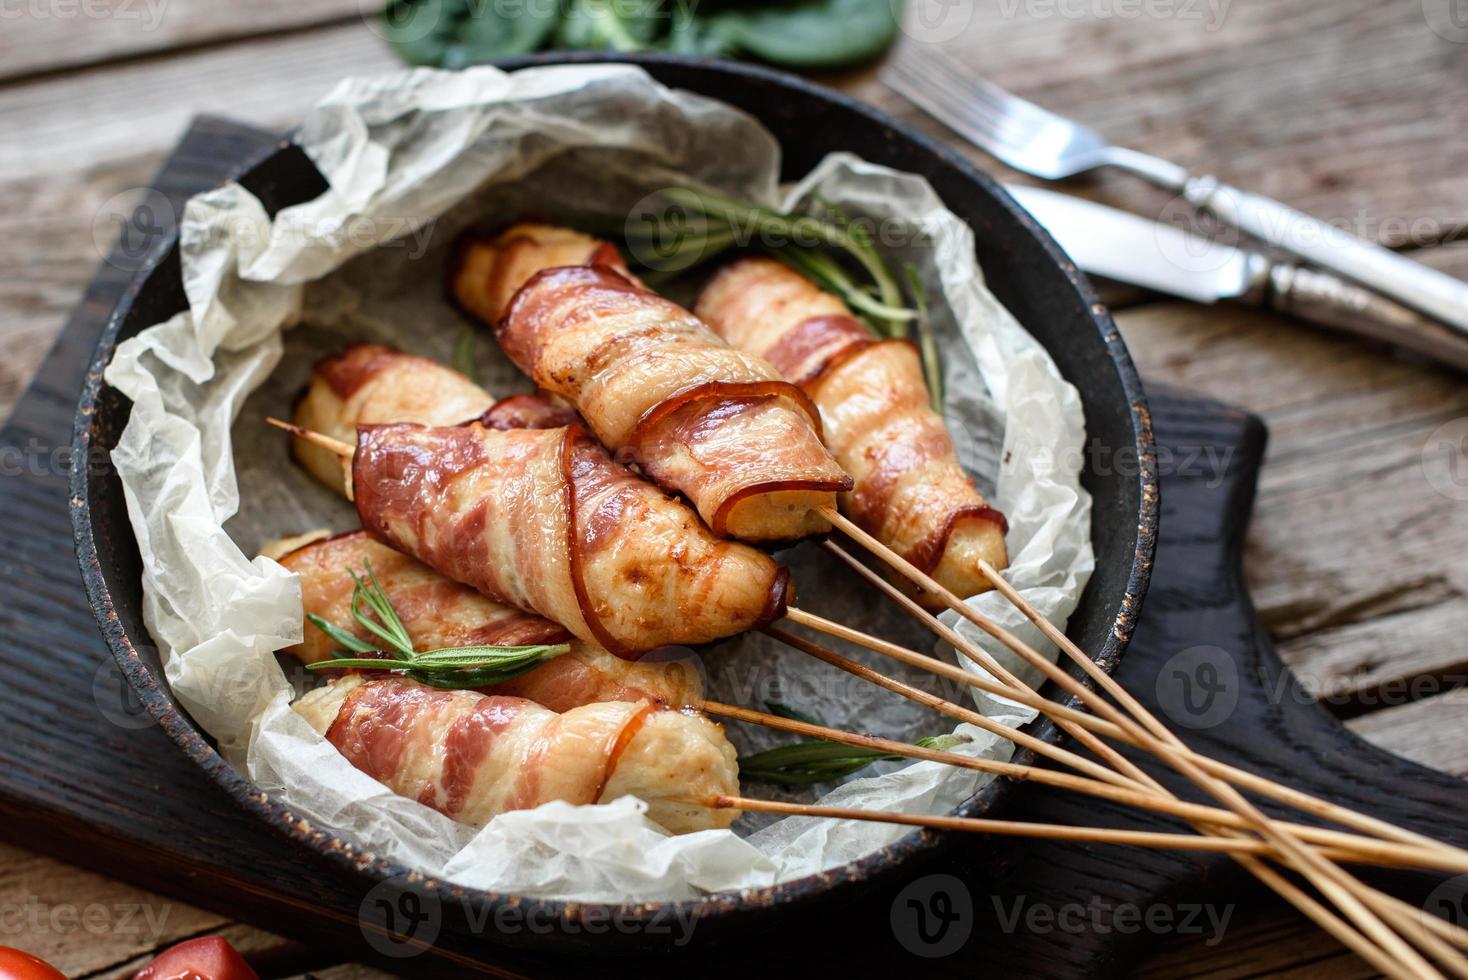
(87, 777)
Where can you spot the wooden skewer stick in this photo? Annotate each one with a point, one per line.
(1075, 724)
(1350, 847)
(1007, 828)
(345, 450)
(1248, 780)
(1447, 859)
(342, 449)
(1240, 777)
(1329, 878)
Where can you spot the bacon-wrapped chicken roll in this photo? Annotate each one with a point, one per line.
(370, 383)
(488, 270)
(472, 756)
(439, 612)
(715, 424)
(367, 384)
(651, 381)
(544, 519)
(910, 490)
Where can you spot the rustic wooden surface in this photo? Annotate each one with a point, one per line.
(1353, 110)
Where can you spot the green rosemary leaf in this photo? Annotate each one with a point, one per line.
(929, 344)
(446, 667)
(388, 626)
(359, 663)
(449, 658)
(463, 359)
(340, 635)
(805, 763)
(794, 714)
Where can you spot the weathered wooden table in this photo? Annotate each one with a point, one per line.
(1353, 110)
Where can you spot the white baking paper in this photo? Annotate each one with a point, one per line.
(412, 159)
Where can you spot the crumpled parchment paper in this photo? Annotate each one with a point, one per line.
(412, 159)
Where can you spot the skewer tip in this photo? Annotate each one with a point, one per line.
(315, 438)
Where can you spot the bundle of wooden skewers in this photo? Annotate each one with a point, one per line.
(511, 569)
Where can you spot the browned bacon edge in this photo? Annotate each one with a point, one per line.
(345, 371)
(809, 336)
(927, 553)
(619, 745)
(569, 439)
(607, 256)
(528, 411)
(723, 392)
(606, 276)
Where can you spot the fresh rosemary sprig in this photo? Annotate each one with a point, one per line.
(749, 223)
(926, 340)
(805, 763)
(448, 667)
(820, 249)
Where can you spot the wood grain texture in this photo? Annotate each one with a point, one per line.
(117, 112)
(1372, 133)
(1354, 557)
(53, 36)
(1340, 109)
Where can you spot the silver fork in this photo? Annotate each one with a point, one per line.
(1042, 144)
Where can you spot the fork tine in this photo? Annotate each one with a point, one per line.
(966, 100)
(978, 121)
(984, 92)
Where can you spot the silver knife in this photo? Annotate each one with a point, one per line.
(1109, 242)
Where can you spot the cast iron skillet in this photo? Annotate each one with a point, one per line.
(1025, 269)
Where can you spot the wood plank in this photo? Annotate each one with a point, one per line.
(86, 924)
(74, 122)
(50, 199)
(1353, 555)
(1432, 731)
(54, 36)
(1340, 109)
(1263, 939)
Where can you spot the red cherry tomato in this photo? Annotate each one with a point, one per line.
(17, 964)
(209, 958)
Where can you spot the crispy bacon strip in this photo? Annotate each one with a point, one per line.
(910, 492)
(472, 756)
(368, 384)
(439, 612)
(699, 417)
(546, 521)
(487, 270)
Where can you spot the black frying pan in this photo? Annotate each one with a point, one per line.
(1024, 269)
